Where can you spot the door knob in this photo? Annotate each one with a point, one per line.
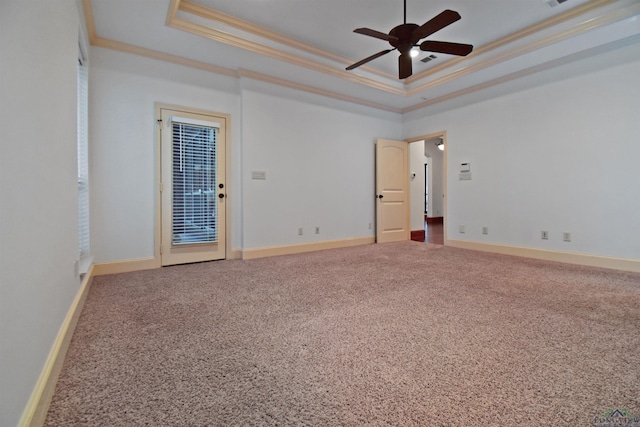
(380, 196)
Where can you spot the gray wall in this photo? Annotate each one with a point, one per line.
(560, 156)
(38, 172)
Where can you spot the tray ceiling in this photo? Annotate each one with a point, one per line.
(307, 45)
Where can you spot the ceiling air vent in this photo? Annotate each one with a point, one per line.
(554, 3)
(432, 57)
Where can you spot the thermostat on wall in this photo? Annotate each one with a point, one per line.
(465, 171)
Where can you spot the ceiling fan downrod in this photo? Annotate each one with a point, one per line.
(405, 11)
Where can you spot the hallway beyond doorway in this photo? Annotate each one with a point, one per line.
(433, 232)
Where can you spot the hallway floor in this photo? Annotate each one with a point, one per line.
(434, 233)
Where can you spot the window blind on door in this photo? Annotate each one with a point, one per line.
(194, 166)
(196, 122)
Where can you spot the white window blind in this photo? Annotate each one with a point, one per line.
(195, 200)
(83, 168)
(196, 122)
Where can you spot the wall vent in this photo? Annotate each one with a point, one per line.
(432, 57)
(554, 3)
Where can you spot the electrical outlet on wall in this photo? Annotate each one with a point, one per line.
(317, 230)
(566, 237)
(300, 231)
(544, 235)
(485, 230)
(461, 228)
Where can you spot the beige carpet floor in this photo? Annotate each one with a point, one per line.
(401, 334)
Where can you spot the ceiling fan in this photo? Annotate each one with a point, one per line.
(406, 36)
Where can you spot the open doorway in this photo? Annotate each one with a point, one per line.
(427, 188)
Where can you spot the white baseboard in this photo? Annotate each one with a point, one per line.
(125, 266)
(549, 255)
(306, 247)
(36, 410)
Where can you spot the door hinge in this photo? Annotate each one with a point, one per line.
(161, 187)
(161, 250)
(159, 121)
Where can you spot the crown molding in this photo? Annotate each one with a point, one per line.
(174, 5)
(525, 72)
(90, 22)
(242, 43)
(583, 27)
(513, 37)
(232, 21)
(254, 75)
(162, 56)
(177, 23)
(215, 15)
(97, 41)
(312, 89)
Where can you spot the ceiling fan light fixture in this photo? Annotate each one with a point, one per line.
(414, 52)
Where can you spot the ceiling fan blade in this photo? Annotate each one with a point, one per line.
(437, 23)
(404, 65)
(459, 49)
(370, 58)
(373, 33)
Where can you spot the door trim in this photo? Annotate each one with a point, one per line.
(443, 135)
(158, 106)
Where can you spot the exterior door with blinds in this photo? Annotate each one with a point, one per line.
(193, 187)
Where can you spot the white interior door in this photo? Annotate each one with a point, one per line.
(392, 191)
(193, 187)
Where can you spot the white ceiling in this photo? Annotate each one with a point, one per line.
(306, 44)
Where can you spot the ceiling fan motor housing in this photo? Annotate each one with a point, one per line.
(402, 37)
